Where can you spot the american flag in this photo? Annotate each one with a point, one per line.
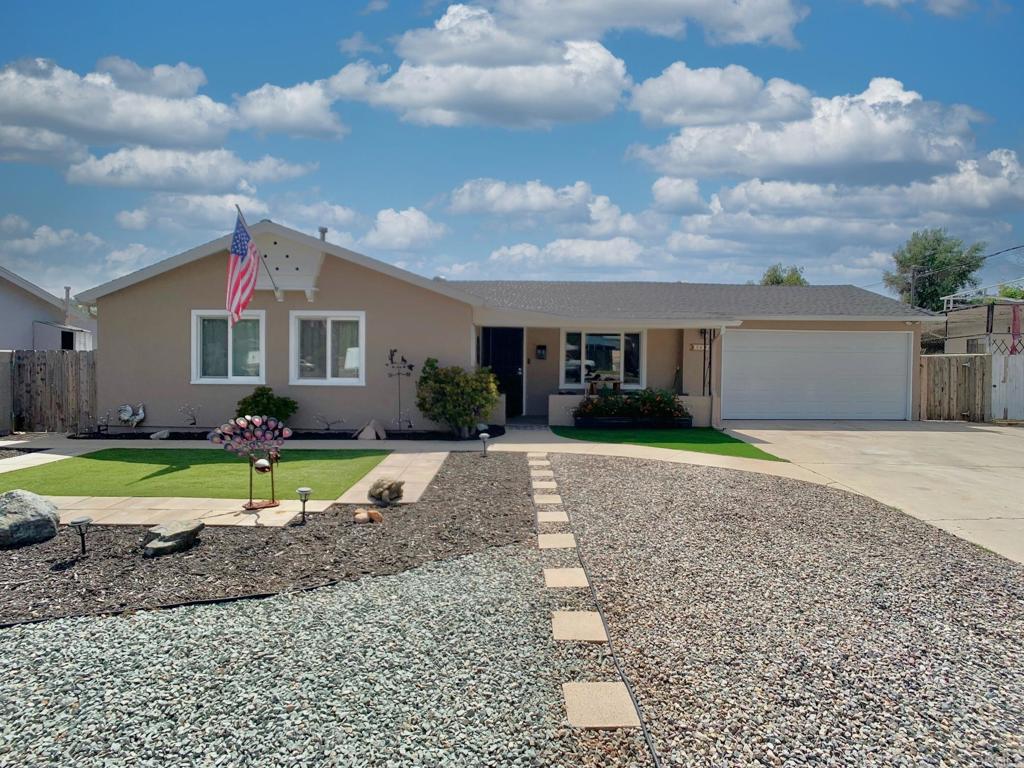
(243, 266)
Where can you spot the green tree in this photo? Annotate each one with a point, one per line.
(1011, 292)
(937, 264)
(455, 396)
(777, 274)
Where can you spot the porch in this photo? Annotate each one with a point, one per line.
(544, 372)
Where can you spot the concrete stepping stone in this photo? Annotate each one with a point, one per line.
(565, 578)
(539, 463)
(541, 474)
(599, 706)
(536, 455)
(552, 516)
(547, 498)
(585, 626)
(556, 541)
(544, 484)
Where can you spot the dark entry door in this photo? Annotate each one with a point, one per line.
(501, 350)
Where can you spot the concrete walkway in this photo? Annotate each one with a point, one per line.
(144, 510)
(964, 478)
(416, 469)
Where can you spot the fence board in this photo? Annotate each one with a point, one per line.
(54, 390)
(1008, 387)
(956, 387)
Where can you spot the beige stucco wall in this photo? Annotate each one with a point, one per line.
(19, 309)
(833, 325)
(541, 375)
(146, 354)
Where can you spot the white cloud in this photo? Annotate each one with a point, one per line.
(616, 252)
(180, 81)
(376, 6)
(402, 230)
(323, 213)
(885, 129)
(585, 84)
(207, 214)
(12, 224)
(711, 95)
(131, 257)
(38, 93)
(45, 238)
(502, 197)
(677, 195)
(742, 21)
(37, 145)
(298, 110)
(179, 169)
(940, 7)
(357, 43)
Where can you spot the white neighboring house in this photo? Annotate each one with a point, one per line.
(32, 318)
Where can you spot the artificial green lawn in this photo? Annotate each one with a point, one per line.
(700, 439)
(193, 473)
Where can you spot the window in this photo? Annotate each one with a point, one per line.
(604, 356)
(222, 354)
(328, 348)
(976, 346)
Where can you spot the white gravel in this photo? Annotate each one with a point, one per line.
(767, 621)
(450, 664)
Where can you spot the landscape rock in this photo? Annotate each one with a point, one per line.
(26, 518)
(173, 536)
(375, 516)
(361, 516)
(163, 434)
(371, 430)
(386, 490)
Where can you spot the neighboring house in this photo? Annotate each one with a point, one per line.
(987, 327)
(33, 318)
(735, 351)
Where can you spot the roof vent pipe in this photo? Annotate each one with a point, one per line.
(323, 233)
(67, 305)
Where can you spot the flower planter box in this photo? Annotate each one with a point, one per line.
(632, 422)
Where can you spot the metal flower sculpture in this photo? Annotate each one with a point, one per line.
(258, 439)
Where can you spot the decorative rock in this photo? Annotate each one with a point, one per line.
(361, 516)
(375, 516)
(163, 434)
(26, 518)
(174, 536)
(372, 430)
(386, 490)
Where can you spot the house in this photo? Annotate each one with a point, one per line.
(36, 319)
(323, 319)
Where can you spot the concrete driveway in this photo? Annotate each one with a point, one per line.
(967, 479)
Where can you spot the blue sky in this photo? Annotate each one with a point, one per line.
(582, 139)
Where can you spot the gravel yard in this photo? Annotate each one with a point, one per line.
(449, 664)
(473, 503)
(766, 621)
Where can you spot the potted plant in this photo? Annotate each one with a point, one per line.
(643, 409)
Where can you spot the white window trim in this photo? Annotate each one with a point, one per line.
(563, 384)
(249, 314)
(293, 346)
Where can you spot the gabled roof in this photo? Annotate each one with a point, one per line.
(32, 288)
(686, 301)
(223, 243)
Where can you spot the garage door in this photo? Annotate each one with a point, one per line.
(815, 375)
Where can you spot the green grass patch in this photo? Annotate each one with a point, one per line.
(699, 439)
(192, 473)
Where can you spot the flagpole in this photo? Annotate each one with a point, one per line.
(277, 291)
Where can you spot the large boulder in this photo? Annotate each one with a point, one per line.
(26, 518)
(386, 491)
(170, 537)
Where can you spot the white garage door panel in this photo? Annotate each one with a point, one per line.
(815, 375)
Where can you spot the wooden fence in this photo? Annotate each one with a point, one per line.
(956, 387)
(53, 390)
(1008, 387)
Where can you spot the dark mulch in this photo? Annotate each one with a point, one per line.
(474, 503)
(10, 453)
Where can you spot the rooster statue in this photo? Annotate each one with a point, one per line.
(130, 416)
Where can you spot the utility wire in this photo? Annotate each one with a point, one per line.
(952, 266)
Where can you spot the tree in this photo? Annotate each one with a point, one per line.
(454, 396)
(1011, 292)
(933, 264)
(777, 274)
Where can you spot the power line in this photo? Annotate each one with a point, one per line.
(952, 266)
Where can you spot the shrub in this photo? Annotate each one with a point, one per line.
(263, 402)
(646, 403)
(454, 396)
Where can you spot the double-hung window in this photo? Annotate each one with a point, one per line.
(327, 348)
(226, 354)
(615, 356)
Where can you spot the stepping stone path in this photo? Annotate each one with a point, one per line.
(590, 705)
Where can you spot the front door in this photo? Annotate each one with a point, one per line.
(501, 350)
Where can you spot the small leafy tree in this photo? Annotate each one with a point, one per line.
(777, 274)
(263, 402)
(454, 396)
(1011, 292)
(936, 265)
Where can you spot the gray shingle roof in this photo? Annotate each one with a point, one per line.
(680, 301)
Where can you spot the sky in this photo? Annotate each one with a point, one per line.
(693, 140)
